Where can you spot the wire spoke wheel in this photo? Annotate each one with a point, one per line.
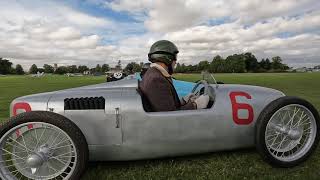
(290, 132)
(37, 150)
(287, 131)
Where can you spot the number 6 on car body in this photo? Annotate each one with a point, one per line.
(236, 106)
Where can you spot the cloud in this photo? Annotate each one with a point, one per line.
(82, 19)
(89, 42)
(64, 33)
(166, 15)
(128, 5)
(204, 42)
(51, 34)
(260, 39)
(20, 12)
(56, 32)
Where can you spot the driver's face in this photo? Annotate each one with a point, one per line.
(173, 64)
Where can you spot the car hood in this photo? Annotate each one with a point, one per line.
(40, 101)
(132, 83)
(115, 84)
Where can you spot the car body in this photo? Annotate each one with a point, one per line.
(120, 129)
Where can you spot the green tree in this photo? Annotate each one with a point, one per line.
(40, 70)
(251, 61)
(191, 68)
(61, 70)
(82, 69)
(5, 66)
(48, 68)
(181, 68)
(33, 69)
(203, 65)
(12, 71)
(277, 63)
(236, 63)
(98, 68)
(262, 65)
(105, 68)
(19, 69)
(72, 69)
(178, 68)
(217, 65)
(268, 64)
(132, 68)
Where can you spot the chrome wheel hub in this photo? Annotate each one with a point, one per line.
(36, 159)
(295, 134)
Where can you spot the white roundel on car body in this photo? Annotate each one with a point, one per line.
(117, 75)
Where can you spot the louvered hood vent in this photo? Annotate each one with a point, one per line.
(84, 103)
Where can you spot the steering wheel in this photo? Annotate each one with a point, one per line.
(208, 90)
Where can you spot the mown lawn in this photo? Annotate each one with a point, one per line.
(240, 164)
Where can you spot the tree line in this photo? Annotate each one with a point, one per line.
(6, 68)
(237, 63)
(68, 69)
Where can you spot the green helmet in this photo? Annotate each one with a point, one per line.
(163, 51)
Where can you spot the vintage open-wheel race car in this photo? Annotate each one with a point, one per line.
(54, 135)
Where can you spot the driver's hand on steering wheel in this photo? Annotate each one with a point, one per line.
(202, 101)
(190, 97)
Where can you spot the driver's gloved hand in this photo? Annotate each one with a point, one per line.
(202, 101)
(190, 97)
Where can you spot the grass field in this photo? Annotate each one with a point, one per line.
(243, 164)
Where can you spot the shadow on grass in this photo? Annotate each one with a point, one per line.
(176, 159)
(234, 164)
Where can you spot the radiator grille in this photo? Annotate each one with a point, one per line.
(84, 103)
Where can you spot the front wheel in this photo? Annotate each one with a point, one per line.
(287, 131)
(42, 145)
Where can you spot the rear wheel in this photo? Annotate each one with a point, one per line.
(42, 145)
(287, 131)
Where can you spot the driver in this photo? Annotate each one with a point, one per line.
(157, 84)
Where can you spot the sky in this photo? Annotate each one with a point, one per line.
(88, 32)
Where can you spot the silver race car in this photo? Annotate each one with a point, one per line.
(54, 135)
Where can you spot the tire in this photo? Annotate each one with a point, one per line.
(297, 133)
(59, 131)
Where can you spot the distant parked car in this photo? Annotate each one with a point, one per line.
(115, 75)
